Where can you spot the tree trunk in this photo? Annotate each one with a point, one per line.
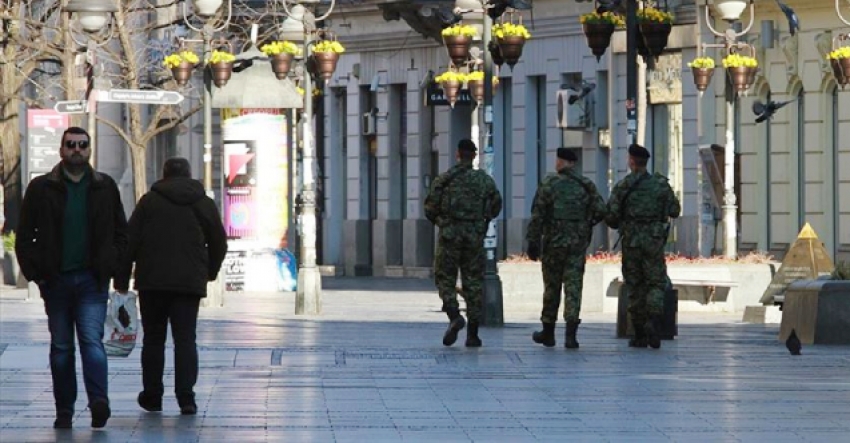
(10, 141)
(140, 182)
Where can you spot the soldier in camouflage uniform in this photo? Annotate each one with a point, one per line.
(566, 207)
(641, 206)
(461, 202)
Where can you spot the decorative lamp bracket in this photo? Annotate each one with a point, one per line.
(206, 29)
(838, 11)
(731, 35)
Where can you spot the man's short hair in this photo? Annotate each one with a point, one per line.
(75, 130)
(176, 167)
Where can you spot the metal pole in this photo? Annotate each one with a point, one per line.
(215, 289)
(208, 170)
(308, 294)
(631, 69)
(92, 109)
(493, 314)
(730, 213)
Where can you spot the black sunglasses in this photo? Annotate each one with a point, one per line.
(74, 144)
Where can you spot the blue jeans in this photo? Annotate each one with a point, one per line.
(74, 301)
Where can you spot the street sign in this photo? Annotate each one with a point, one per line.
(71, 107)
(434, 96)
(141, 96)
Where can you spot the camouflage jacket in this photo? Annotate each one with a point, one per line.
(565, 209)
(461, 202)
(640, 206)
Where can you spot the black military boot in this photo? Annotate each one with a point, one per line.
(653, 332)
(546, 337)
(472, 340)
(456, 323)
(639, 340)
(570, 336)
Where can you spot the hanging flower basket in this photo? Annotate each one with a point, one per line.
(703, 70)
(598, 29)
(741, 70)
(326, 63)
(181, 64)
(652, 39)
(495, 53)
(840, 57)
(182, 73)
(450, 81)
(221, 72)
(598, 37)
(752, 76)
(511, 39)
(654, 26)
(838, 72)
(281, 64)
(475, 84)
(458, 47)
(702, 78)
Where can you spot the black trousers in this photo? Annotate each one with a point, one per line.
(159, 308)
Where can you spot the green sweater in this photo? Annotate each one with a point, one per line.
(75, 226)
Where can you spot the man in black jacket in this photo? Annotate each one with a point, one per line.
(71, 233)
(178, 243)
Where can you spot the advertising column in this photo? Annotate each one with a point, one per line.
(256, 195)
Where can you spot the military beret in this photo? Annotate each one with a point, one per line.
(567, 154)
(636, 150)
(466, 145)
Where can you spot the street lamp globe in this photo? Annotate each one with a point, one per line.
(292, 28)
(206, 8)
(730, 10)
(92, 14)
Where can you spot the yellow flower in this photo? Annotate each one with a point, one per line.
(275, 48)
(449, 76)
(329, 46)
(221, 57)
(604, 18)
(477, 76)
(510, 30)
(458, 29)
(702, 62)
(739, 61)
(653, 15)
(174, 60)
(843, 52)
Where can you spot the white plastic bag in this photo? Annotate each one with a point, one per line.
(122, 324)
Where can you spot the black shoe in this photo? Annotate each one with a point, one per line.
(456, 323)
(100, 413)
(150, 403)
(546, 337)
(63, 421)
(472, 340)
(570, 341)
(653, 331)
(189, 409)
(639, 340)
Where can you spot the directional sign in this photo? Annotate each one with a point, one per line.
(141, 96)
(71, 107)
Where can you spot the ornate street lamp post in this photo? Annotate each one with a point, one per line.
(730, 11)
(93, 16)
(300, 26)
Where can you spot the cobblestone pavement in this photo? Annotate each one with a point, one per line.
(371, 368)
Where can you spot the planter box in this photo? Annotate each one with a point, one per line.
(819, 310)
(12, 271)
(522, 286)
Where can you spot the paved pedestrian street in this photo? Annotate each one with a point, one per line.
(372, 368)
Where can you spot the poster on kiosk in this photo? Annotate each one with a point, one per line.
(255, 169)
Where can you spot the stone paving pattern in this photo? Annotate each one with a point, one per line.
(372, 368)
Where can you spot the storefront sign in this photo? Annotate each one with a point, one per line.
(665, 81)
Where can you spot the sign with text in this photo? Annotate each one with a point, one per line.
(435, 96)
(141, 96)
(44, 134)
(71, 107)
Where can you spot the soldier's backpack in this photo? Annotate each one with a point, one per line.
(571, 202)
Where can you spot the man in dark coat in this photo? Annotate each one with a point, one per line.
(178, 244)
(71, 233)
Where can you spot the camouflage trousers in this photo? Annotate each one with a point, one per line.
(645, 279)
(469, 259)
(562, 267)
